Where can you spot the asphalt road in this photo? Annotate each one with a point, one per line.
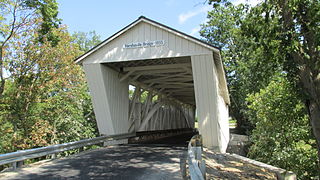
(160, 160)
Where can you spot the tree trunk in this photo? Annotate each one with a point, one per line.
(308, 74)
(2, 80)
(308, 80)
(314, 112)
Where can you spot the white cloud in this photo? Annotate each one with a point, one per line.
(195, 30)
(185, 16)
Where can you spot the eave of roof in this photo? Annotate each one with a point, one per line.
(150, 21)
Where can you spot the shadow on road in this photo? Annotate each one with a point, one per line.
(159, 159)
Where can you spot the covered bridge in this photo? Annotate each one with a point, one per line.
(181, 75)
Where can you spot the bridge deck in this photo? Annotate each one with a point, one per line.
(135, 161)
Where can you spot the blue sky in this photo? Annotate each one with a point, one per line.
(108, 17)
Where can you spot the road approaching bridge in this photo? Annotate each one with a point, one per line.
(160, 160)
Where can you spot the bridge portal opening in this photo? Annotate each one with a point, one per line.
(163, 96)
(180, 74)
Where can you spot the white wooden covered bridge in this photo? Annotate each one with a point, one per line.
(180, 73)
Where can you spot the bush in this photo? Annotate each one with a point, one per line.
(282, 134)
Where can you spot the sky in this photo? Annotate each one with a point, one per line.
(106, 17)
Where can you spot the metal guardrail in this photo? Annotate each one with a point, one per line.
(197, 166)
(19, 156)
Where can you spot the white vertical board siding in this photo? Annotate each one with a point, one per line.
(207, 101)
(174, 46)
(223, 122)
(223, 89)
(109, 97)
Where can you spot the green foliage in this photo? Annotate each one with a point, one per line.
(273, 39)
(143, 96)
(46, 100)
(6, 129)
(282, 135)
(48, 10)
(85, 40)
(17, 17)
(249, 61)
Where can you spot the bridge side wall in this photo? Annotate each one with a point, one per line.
(109, 97)
(166, 117)
(211, 109)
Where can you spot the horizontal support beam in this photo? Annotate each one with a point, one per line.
(163, 94)
(177, 83)
(186, 74)
(175, 77)
(157, 67)
(185, 97)
(180, 80)
(183, 93)
(168, 87)
(163, 71)
(172, 86)
(182, 90)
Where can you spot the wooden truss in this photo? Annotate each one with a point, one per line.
(171, 81)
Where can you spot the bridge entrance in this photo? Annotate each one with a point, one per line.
(173, 75)
(163, 96)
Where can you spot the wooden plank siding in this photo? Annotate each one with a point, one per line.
(109, 98)
(209, 105)
(174, 46)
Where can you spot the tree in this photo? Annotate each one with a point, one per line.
(272, 38)
(85, 40)
(16, 17)
(44, 98)
(282, 135)
(44, 102)
(48, 10)
(297, 28)
(249, 64)
(300, 37)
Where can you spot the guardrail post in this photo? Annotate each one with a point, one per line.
(202, 167)
(14, 165)
(81, 149)
(17, 164)
(198, 156)
(198, 153)
(53, 156)
(201, 163)
(197, 166)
